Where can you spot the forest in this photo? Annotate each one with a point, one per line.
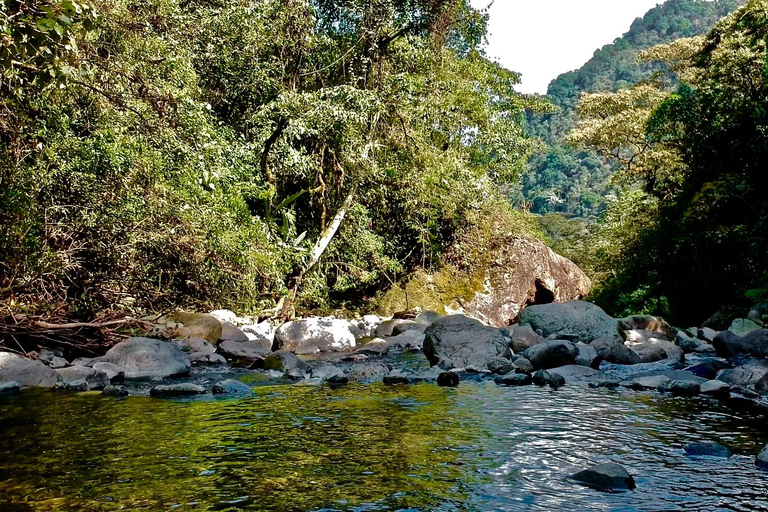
(293, 154)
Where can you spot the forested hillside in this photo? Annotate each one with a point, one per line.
(244, 154)
(564, 179)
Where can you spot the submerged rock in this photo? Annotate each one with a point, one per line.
(458, 342)
(583, 321)
(515, 379)
(330, 374)
(284, 361)
(28, 373)
(231, 387)
(606, 476)
(312, 335)
(116, 391)
(172, 390)
(368, 372)
(448, 380)
(79, 385)
(146, 358)
(707, 449)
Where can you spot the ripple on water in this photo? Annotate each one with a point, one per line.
(478, 447)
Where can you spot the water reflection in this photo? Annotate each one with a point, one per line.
(480, 447)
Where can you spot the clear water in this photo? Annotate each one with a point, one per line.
(478, 447)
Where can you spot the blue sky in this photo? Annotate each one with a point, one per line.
(544, 38)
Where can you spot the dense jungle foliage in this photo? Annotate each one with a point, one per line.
(578, 181)
(199, 152)
(692, 239)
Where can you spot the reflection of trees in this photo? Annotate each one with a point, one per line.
(287, 448)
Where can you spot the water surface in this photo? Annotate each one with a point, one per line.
(303, 448)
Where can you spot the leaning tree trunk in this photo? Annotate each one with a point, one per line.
(288, 310)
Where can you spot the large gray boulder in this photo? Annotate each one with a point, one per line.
(312, 335)
(27, 373)
(614, 351)
(95, 378)
(551, 354)
(578, 320)
(459, 342)
(250, 349)
(606, 476)
(745, 376)
(755, 343)
(146, 358)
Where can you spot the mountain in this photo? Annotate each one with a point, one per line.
(569, 180)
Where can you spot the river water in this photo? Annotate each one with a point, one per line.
(377, 447)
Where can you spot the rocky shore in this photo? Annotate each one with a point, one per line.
(558, 344)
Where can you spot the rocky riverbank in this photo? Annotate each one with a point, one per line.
(558, 344)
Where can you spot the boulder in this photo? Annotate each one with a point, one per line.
(522, 365)
(762, 458)
(9, 388)
(545, 378)
(515, 379)
(587, 355)
(742, 326)
(262, 331)
(654, 324)
(146, 358)
(284, 361)
(230, 332)
(386, 328)
(174, 390)
(745, 376)
(458, 342)
(312, 335)
(331, 374)
(448, 380)
(551, 354)
(77, 385)
(505, 277)
(501, 366)
(375, 347)
(114, 373)
(196, 325)
(522, 337)
(396, 377)
(657, 382)
(412, 340)
(244, 349)
(656, 350)
(368, 372)
(706, 334)
(606, 476)
(368, 325)
(195, 346)
(52, 359)
(707, 449)
(408, 325)
(614, 351)
(689, 344)
(27, 373)
(583, 321)
(755, 343)
(206, 359)
(708, 368)
(583, 375)
(116, 391)
(683, 388)
(716, 388)
(96, 379)
(231, 387)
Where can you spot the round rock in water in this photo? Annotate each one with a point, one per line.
(171, 390)
(707, 449)
(231, 387)
(459, 342)
(606, 476)
(448, 380)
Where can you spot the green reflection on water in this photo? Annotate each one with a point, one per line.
(287, 448)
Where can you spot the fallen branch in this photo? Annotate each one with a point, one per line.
(78, 325)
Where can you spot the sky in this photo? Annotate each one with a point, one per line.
(543, 38)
